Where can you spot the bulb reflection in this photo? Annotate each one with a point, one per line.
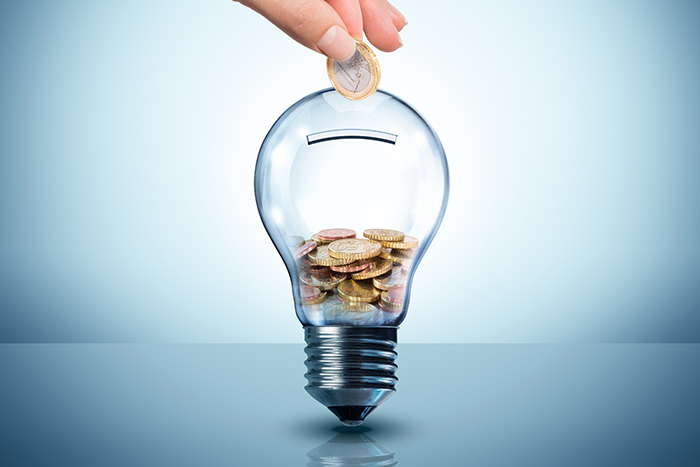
(351, 449)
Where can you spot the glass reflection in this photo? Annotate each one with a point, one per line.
(351, 449)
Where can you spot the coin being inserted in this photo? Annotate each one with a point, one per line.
(358, 77)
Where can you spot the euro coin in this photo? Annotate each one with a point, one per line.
(384, 235)
(388, 253)
(357, 266)
(305, 263)
(331, 235)
(406, 244)
(354, 249)
(358, 77)
(309, 293)
(383, 308)
(394, 278)
(304, 249)
(396, 295)
(318, 241)
(393, 299)
(376, 267)
(324, 278)
(355, 313)
(354, 291)
(312, 295)
(405, 254)
(321, 257)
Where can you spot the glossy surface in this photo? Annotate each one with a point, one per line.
(505, 405)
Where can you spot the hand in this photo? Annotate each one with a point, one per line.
(329, 26)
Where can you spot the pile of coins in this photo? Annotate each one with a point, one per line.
(354, 277)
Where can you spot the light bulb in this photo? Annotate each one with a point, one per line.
(332, 163)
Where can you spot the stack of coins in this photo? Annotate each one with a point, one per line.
(349, 280)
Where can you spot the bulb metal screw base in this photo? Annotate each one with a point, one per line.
(350, 368)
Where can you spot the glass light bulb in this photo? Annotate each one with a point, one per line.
(332, 163)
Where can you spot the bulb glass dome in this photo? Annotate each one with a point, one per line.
(332, 163)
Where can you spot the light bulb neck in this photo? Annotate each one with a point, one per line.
(351, 369)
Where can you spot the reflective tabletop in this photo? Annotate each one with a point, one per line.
(240, 404)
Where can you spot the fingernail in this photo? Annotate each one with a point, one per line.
(400, 42)
(405, 21)
(337, 44)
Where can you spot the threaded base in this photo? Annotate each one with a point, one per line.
(350, 368)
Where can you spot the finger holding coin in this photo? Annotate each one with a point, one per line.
(358, 77)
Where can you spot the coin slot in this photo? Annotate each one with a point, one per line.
(352, 133)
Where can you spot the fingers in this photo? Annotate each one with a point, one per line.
(329, 26)
(313, 23)
(397, 18)
(379, 26)
(349, 12)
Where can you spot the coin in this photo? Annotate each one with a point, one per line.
(396, 295)
(405, 254)
(304, 249)
(312, 295)
(358, 77)
(331, 235)
(388, 253)
(406, 244)
(360, 265)
(384, 235)
(320, 299)
(393, 299)
(309, 293)
(383, 308)
(354, 291)
(318, 241)
(321, 257)
(390, 280)
(351, 313)
(324, 278)
(294, 241)
(305, 263)
(376, 268)
(354, 249)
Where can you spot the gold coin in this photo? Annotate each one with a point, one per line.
(388, 253)
(315, 301)
(354, 291)
(387, 302)
(384, 235)
(376, 267)
(358, 77)
(405, 254)
(395, 278)
(406, 244)
(354, 249)
(318, 241)
(323, 278)
(321, 257)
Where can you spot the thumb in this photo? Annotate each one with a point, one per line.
(312, 23)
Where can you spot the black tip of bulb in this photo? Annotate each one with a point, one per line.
(351, 415)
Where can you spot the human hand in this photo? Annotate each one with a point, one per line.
(329, 26)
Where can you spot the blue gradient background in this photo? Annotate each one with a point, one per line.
(129, 131)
